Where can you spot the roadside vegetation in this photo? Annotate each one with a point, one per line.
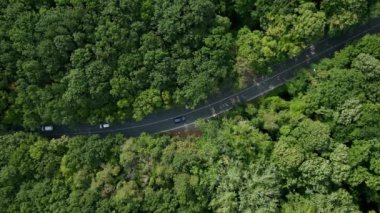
(314, 147)
(91, 61)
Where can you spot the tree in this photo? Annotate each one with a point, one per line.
(343, 13)
(338, 201)
(146, 103)
(310, 25)
(261, 191)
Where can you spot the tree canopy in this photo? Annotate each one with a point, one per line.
(69, 62)
(318, 150)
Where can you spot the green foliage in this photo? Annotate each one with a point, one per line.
(344, 13)
(71, 61)
(107, 59)
(339, 201)
(287, 27)
(146, 103)
(375, 10)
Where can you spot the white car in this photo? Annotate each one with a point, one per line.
(47, 128)
(102, 126)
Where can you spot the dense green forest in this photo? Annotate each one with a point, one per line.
(71, 61)
(314, 146)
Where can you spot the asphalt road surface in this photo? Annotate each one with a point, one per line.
(162, 121)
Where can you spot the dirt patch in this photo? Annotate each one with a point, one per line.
(189, 130)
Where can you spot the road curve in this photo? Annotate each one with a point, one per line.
(162, 121)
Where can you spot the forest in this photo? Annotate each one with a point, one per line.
(68, 62)
(311, 146)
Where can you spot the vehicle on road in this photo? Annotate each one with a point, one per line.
(103, 126)
(47, 128)
(179, 119)
(213, 111)
(286, 72)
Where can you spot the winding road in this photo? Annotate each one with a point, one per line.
(162, 121)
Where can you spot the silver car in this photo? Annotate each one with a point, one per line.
(103, 126)
(47, 128)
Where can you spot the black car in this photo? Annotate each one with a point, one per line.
(179, 119)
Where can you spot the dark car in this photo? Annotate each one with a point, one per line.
(179, 119)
